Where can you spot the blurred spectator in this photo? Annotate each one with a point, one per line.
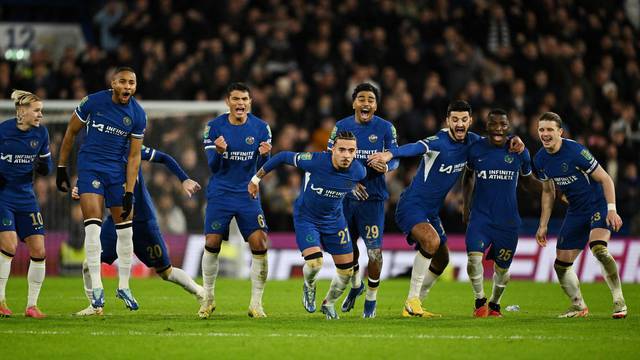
(170, 217)
(105, 19)
(302, 60)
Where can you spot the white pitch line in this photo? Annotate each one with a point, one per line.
(297, 335)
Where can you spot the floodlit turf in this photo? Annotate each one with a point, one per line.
(166, 326)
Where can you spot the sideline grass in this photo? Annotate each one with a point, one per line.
(166, 325)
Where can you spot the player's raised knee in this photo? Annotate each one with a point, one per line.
(426, 237)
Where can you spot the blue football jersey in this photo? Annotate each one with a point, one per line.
(323, 189)
(496, 173)
(144, 209)
(570, 169)
(373, 136)
(18, 151)
(108, 128)
(241, 160)
(442, 164)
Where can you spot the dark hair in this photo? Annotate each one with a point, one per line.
(345, 135)
(551, 116)
(120, 69)
(365, 87)
(458, 105)
(238, 86)
(496, 112)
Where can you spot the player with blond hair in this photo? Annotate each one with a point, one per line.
(24, 149)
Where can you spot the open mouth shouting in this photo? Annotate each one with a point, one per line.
(239, 111)
(459, 132)
(365, 113)
(547, 140)
(125, 96)
(497, 137)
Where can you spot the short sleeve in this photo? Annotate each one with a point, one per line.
(209, 137)
(391, 140)
(538, 170)
(585, 161)
(267, 135)
(305, 160)
(83, 110)
(139, 124)
(432, 143)
(44, 149)
(525, 163)
(332, 137)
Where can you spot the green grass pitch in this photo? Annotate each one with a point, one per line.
(166, 326)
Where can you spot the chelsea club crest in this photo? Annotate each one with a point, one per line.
(126, 120)
(250, 140)
(33, 143)
(508, 159)
(373, 138)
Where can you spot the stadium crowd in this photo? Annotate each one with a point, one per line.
(303, 59)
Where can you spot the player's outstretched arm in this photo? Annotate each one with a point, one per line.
(468, 184)
(601, 176)
(62, 177)
(283, 157)
(189, 186)
(410, 150)
(547, 199)
(516, 145)
(406, 150)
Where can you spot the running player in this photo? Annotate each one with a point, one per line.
(107, 173)
(24, 148)
(148, 244)
(444, 158)
(318, 217)
(237, 143)
(492, 177)
(590, 217)
(365, 215)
